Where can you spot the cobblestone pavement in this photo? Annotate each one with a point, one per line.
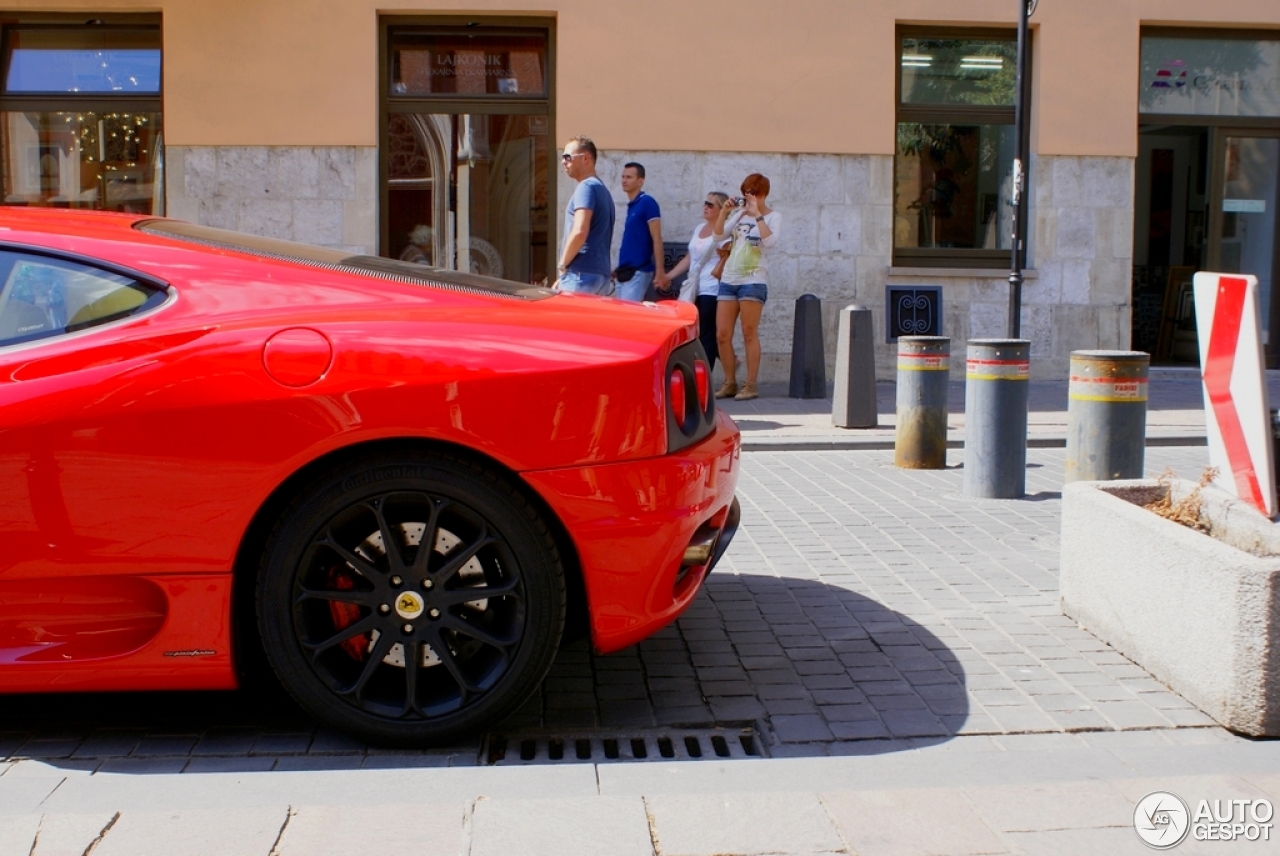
(859, 602)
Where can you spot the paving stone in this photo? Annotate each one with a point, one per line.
(1065, 805)
(793, 728)
(924, 820)
(209, 832)
(426, 829)
(697, 824)
(560, 827)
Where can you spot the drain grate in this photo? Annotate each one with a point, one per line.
(714, 744)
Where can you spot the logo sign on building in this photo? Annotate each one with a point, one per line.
(1235, 392)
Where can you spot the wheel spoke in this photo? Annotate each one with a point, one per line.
(427, 545)
(360, 598)
(358, 563)
(380, 650)
(412, 663)
(451, 663)
(391, 546)
(364, 625)
(461, 556)
(479, 634)
(453, 597)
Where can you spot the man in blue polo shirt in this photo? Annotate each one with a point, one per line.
(640, 257)
(588, 224)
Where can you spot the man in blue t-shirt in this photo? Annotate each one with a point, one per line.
(640, 257)
(588, 224)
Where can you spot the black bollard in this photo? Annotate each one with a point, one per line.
(853, 404)
(808, 362)
(924, 375)
(1106, 415)
(995, 415)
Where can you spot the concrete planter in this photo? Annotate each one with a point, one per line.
(1199, 612)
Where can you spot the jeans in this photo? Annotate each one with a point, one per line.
(586, 283)
(707, 327)
(634, 289)
(757, 291)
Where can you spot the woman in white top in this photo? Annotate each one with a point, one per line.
(700, 286)
(744, 283)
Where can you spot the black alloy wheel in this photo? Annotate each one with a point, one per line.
(411, 601)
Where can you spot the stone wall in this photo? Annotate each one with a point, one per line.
(317, 195)
(837, 244)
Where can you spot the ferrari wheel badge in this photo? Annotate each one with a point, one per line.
(409, 605)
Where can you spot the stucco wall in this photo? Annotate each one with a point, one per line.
(810, 77)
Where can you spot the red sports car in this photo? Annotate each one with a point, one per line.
(399, 482)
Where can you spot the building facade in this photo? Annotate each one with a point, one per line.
(886, 130)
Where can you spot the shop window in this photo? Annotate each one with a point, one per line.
(955, 148)
(80, 115)
(1209, 74)
(467, 149)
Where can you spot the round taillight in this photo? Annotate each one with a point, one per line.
(702, 380)
(676, 394)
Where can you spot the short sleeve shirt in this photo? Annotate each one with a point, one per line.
(593, 258)
(637, 241)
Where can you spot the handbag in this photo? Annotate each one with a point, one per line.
(723, 252)
(625, 272)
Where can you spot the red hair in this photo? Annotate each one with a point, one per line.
(755, 184)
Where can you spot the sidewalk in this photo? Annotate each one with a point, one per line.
(1175, 415)
(894, 651)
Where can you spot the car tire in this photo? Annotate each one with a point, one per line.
(410, 646)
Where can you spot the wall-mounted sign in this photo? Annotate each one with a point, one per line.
(1245, 206)
(1209, 76)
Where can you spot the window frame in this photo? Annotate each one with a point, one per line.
(75, 102)
(162, 294)
(955, 114)
(449, 103)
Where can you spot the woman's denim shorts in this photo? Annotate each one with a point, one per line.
(756, 291)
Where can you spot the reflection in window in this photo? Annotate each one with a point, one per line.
(952, 186)
(469, 192)
(44, 297)
(95, 59)
(959, 71)
(468, 64)
(955, 148)
(83, 159)
(1209, 76)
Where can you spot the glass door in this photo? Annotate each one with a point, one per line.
(1244, 229)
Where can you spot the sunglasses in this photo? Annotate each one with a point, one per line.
(567, 157)
(708, 204)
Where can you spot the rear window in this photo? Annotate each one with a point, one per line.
(324, 257)
(43, 296)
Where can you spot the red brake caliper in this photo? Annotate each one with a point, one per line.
(346, 614)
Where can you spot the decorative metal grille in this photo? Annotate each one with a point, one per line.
(913, 310)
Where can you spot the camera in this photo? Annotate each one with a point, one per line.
(739, 201)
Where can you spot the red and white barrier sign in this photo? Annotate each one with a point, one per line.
(1235, 390)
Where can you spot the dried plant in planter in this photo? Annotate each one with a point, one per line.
(1186, 510)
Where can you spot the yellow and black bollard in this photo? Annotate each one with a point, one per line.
(924, 373)
(1107, 415)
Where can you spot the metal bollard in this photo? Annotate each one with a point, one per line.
(853, 403)
(808, 362)
(995, 413)
(1106, 415)
(924, 374)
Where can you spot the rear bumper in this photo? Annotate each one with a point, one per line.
(633, 524)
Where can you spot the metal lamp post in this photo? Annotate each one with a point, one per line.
(1020, 110)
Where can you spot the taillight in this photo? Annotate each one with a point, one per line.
(702, 380)
(676, 394)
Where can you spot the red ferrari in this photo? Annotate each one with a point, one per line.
(398, 483)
